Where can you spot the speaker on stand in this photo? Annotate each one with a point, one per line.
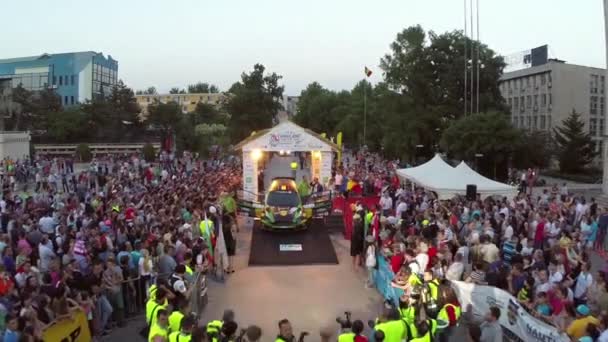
(471, 192)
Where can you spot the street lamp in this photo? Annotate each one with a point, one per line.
(416, 152)
(477, 156)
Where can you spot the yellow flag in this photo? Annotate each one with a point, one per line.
(339, 139)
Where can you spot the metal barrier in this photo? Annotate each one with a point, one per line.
(104, 148)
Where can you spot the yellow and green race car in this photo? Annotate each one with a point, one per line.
(284, 209)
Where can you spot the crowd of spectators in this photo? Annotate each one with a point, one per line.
(99, 238)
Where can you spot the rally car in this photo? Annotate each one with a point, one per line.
(283, 208)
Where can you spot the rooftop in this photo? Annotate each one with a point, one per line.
(43, 56)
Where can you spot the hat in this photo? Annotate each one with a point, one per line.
(582, 309)
(212, 210)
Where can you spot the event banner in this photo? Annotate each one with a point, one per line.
(517, 324)
(74, 328)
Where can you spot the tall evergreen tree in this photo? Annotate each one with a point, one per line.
(575, 146)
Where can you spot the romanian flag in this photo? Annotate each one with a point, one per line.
(368, 72)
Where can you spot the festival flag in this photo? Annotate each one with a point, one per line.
(368, 72)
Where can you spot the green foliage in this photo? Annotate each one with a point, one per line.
(211, 135)
(149, 152)
(489, 134)
(177, 91)
(424, 67)
(575, 147)
(535, 149)
(164, 115)
(150, 91)
(68, 126)
(32, 108)
(202, 87)
(254, 102)
(83, 153)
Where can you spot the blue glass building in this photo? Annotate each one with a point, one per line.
(76, 76)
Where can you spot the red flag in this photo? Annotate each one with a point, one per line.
(368, 72)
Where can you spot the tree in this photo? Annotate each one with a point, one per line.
(535, 149)
(211, 135)
(70, 125)
(176, 90)
(428, 69)
(202, 87)
(83, 152)
(207, 113)
(255, 102)
(487, 138)
(149, 152)
(150, 91)
(32, 108)
(575, 147)
(165, 116)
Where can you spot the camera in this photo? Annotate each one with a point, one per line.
(345, 323)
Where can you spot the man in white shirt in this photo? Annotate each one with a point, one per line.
(47, 224)
(46, 253)
(583, 282)
(555, 276)
(422, 258)
(456, 269)
(387, 204)
(401, 207)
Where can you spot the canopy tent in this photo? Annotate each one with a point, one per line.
(447, 182)
(486, 186)
(436, 175)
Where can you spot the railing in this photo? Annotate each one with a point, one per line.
(103, 148)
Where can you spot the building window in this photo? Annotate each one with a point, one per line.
(528, 101)
(543, 100)
(535, 122)
(529, 121)
(54, 80)
(536, 101)
(71, 99)
(550, 99)
(549, 121)
(602, 79)
(593, 105)
(601, 106)
(594, 84)
(528, 81)
(515, 103)
(543, 79)
(543, 122)
(593, 126)
(521, 83)
(515, 84)
(72, 79)
(534, 81)
(65, 100)
(60, 80)
(601, 127)
(148, 99)
(509, 101)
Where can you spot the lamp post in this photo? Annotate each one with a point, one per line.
(416, 153)
(477, 156)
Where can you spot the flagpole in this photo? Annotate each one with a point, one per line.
(364, 109)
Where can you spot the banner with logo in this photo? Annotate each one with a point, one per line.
(74, 328)
(517, 324)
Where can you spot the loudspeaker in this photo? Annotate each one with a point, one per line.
(471, 192)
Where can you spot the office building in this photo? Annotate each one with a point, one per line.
(187, 102)
(77, 77)
(540, 97)
(290, 104)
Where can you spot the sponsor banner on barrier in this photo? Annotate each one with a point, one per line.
(74, 328)
(517, 324)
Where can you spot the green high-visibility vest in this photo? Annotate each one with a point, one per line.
(394, 331)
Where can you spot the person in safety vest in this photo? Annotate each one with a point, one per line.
(208, 232)
(184, 334)
(285, 331)
(393, 327)
(160, 284)
(406, 309)
(304, 189)
(175, 319)
(154, 306)
(187, 263)
(431, 294)
(159, 331)
(450, 312)
(426, 331)
(214, 328)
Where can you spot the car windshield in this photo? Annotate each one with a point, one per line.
(283, 199)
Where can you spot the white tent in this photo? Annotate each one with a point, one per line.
(438, 176)
(485, 186)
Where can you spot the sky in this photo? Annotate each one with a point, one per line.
(175, 43)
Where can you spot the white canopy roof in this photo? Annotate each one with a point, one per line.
(486, 186)
(438, 176)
